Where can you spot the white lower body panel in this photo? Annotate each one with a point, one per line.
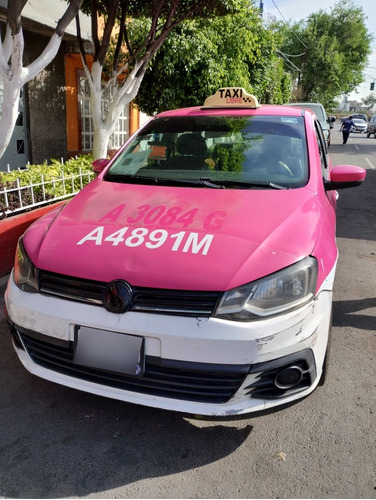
(177, 339)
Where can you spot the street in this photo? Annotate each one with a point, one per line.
(56, 442)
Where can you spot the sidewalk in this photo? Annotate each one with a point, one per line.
(3, 285)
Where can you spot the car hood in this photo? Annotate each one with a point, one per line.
(175, 237)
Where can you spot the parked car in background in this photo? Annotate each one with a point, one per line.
(372, 127)
(326, 122)
(195, 272)
(361, 116)
(359, 125)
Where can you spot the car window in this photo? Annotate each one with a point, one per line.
(360, 116)
(317, 108)
(323, 151)
(319, 111)
(249, 149)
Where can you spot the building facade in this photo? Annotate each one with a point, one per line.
(54, 114)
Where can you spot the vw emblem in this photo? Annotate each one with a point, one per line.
(117, 297)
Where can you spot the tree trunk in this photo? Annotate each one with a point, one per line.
(12, 73)
(9, 113)
(100, 142)
(104, 122)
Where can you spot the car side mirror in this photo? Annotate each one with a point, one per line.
(99, 165)
(345, 176)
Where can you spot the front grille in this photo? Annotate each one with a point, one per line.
(180, 302)
(199, 382)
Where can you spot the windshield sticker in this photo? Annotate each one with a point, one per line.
(158, 153)
(183, 241)
(289, 119)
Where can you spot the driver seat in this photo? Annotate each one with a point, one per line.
(192, 152)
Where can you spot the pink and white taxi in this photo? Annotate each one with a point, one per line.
(195, 273)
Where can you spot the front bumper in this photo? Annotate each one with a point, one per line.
(195, 365)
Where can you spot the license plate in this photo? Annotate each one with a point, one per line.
(116, 352)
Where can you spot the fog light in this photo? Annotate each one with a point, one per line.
(288, 377)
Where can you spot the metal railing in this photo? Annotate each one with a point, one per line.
(16, 197)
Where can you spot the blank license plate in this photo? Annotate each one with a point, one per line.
(116, 352)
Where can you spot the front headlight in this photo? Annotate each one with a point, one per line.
(287, 289)
(25, 274)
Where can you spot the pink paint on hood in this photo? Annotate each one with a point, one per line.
(176, 237)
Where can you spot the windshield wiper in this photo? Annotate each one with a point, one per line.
(223, 184)
(202, 181)
(131, 179)
(140, 179)
(247, 184)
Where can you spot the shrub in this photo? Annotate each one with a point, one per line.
(49, 182)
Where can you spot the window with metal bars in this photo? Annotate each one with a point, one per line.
(120, 134)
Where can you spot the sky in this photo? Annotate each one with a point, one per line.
(300, 9)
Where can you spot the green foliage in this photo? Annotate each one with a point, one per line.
(229, 159)
(369, 101)
(146, 8)
(60, 179)
(156, 17)
(326, 53)
(201, 56)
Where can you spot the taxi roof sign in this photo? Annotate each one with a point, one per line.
(231, 97)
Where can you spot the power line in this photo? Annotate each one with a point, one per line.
(275, 5)
(301, 41)
(291, 64)
(295, 55)
(369, 76)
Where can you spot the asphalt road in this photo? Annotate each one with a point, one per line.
(57, 442)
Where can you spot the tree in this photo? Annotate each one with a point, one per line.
(12, 72)
(121, 56)
(326, 53)
(369, 101)
(201, 56)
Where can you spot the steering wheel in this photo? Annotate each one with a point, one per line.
(286, 168)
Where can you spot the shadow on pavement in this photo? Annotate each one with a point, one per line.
(345, 314)
(57, 442)
(356, 208)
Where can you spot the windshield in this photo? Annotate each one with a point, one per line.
(216, 151)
